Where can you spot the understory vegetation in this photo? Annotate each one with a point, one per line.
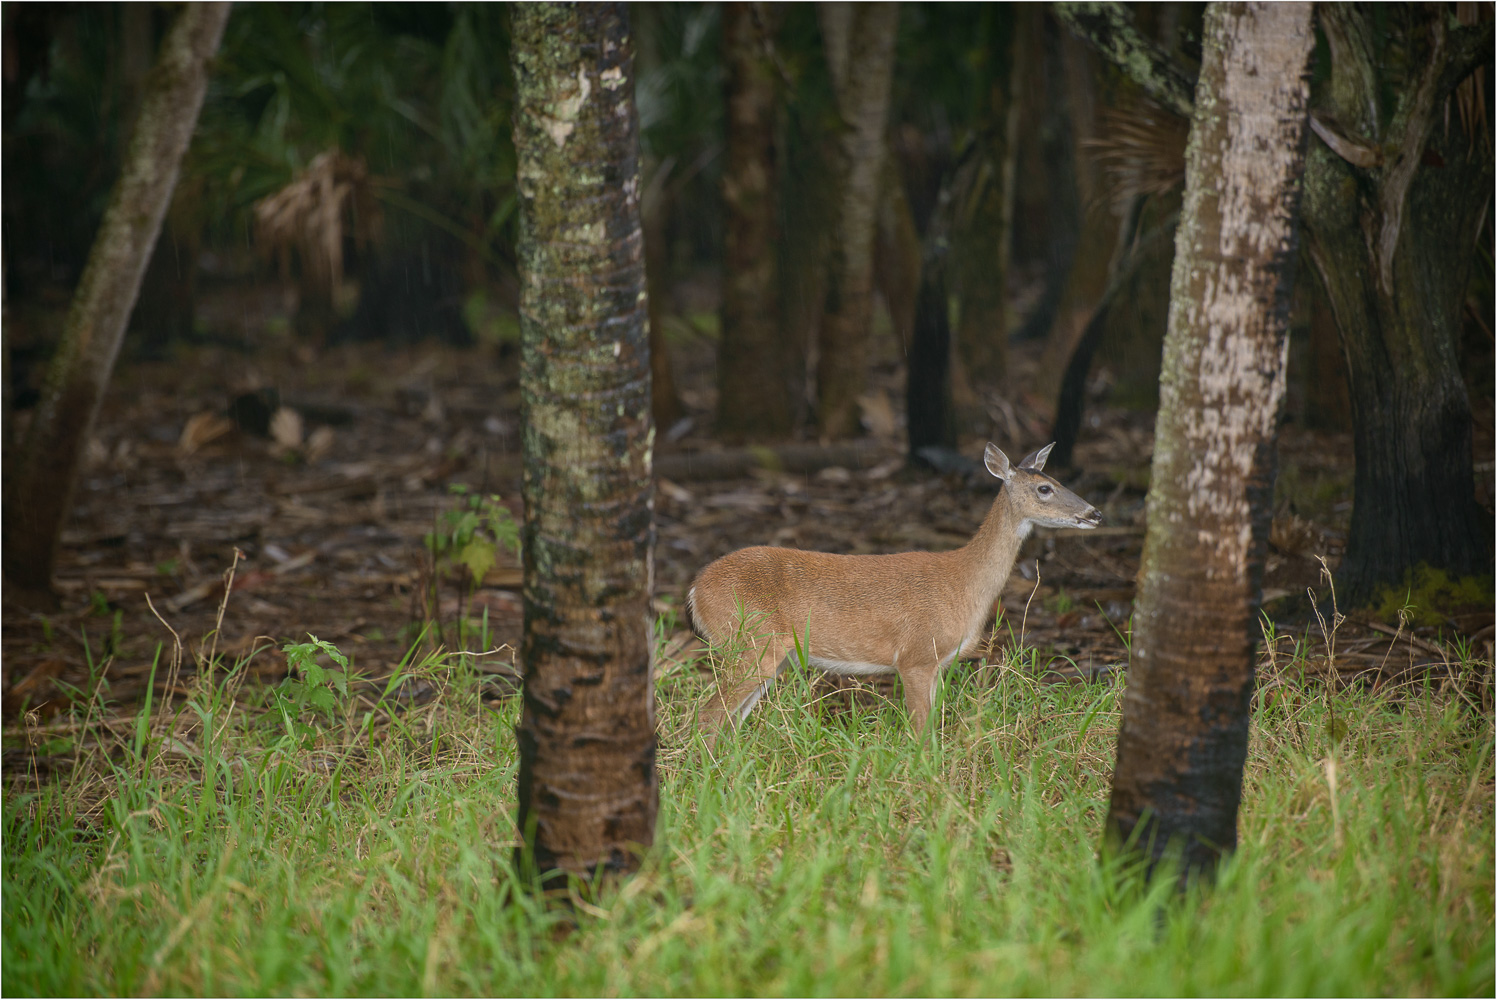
(331, 836)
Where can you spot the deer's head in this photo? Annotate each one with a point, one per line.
(1036, 498)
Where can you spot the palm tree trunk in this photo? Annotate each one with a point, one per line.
(1178, 779)
(587, 784)
(861, 36)
(40, 488)
(1393, 205)
(1393, 242)
(755, 397)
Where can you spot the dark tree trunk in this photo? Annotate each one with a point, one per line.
(983, 227)
(1096, 249)
(655, 209)
(587, 783)
(859, 40)
(755, 359)
(39, 492)
(928, 378)
(1070, 405)
(1393, 242)
(1178, 780)
(1392, 207)
(982, 330)
(1047, 214)
(896, 260)
(665, 400)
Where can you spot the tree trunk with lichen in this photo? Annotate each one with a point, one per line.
(1393, 240)
(755, 358)
(1178, 780)
(859, 41)
(588, 791)
(39, 488)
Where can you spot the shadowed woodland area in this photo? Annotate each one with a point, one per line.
(873, 238)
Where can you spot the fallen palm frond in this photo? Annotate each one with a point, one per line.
(331, 200)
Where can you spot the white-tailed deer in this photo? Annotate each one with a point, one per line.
(911, 613)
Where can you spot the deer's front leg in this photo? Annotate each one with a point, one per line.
(919, 673)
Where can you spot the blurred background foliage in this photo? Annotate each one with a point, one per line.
(1053, 160)
(420, 95)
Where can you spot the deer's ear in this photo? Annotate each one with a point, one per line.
(1036, 461)
(997, 462)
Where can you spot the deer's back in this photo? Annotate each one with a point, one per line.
(849, 604)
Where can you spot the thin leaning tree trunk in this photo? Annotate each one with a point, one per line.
(859, 41)
(587, 782)
(40, 487)
(1178, 780)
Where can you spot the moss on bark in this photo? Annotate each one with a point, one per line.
(1178, 779)
(587, 783)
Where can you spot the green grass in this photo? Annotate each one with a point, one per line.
(239, 850)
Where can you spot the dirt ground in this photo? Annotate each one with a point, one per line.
(328, 508)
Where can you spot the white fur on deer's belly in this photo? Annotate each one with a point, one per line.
(850, 667)
(859, 668)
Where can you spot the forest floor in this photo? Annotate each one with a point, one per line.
(327, 504)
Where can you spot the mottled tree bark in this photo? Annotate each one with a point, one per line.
(1178, 779)
(39, 490)
(587, 784)
(859, 41)
(1110, 28)
(755, 356)
(1393, 240)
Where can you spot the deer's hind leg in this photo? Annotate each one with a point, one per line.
(741, 689)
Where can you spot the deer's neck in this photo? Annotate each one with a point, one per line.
(991, 553)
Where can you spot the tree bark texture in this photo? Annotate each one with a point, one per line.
(862, 71)
(755, 359)
(40, 489)
(1393, 242)
(588, 791)
(1178, 779)
(1109, 27)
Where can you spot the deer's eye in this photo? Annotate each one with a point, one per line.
(1045, 490)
